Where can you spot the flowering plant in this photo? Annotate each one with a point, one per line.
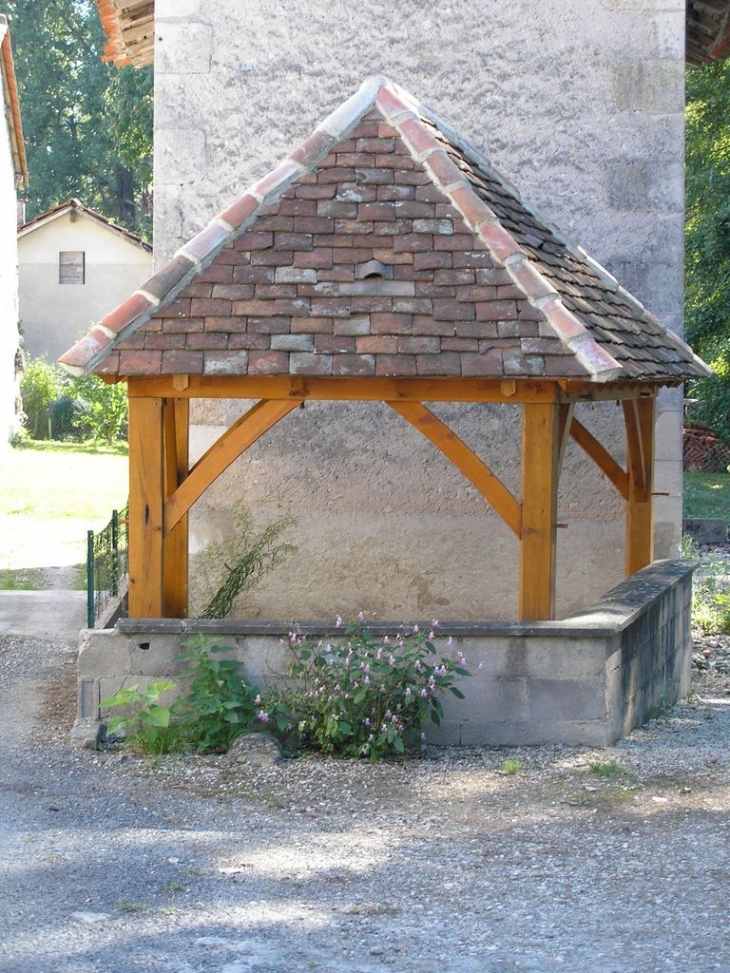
(362, 695)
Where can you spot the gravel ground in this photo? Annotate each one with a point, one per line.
(113, 863)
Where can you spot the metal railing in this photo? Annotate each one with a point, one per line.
(106, 565)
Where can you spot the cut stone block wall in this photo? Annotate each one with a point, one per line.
(585, 680)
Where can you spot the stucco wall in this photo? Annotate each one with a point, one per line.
(579, 103)
(54, 315)
(8, 291)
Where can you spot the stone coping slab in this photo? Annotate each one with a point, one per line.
(609, 616)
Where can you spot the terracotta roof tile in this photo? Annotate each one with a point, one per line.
(384, 245)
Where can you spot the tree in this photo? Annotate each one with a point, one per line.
(87, 124)
(707, 240)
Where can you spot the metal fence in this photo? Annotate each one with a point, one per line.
(106, 565)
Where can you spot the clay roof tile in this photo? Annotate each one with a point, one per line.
(262, 284)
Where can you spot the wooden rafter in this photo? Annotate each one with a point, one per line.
(464, 459)
(242, 434)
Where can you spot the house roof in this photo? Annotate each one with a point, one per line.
(384, 245)
(12, 106)
(129, 27)
(75, 208)
(707, 31)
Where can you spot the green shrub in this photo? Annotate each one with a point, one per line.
(105, 412)
(364, 696)
(42, 385)
(146, 722)
(219, 704)
(60, 407)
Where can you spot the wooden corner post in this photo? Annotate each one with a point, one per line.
(640, 415)
(540, 474)
(146, 497)
(176, 426)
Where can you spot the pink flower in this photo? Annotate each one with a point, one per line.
(415, 629)
(263, 716)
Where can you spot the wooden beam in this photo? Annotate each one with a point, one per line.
(466, 461)
(348, 389)
(640, 420)
(572, 391)
(175, 578)
(242, 434)
(565, 420)
(601, 457)
(540, 475)
(146, 485)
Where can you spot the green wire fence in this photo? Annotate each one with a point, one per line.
(106, 565)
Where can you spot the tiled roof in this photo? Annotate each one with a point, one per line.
(74, 206)
(383, 245)
(129, 26)
(707, 30)
(12, 107)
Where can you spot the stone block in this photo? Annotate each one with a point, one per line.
(705, 530)
(651, 86)
(559, 700)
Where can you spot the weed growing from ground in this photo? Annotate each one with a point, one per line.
(607, 768)
(510, 766)
(710, 591)
(146, 721)
(219, 704)
(239, 564)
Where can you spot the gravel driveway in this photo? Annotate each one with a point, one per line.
(609, 861)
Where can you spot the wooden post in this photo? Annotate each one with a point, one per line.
(146, 484)
(540, 474)
(175, 543)
(639, 415)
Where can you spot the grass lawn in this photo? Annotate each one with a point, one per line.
(50, 497)
(707, 495)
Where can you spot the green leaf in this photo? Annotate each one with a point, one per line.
(457, 692)
(155, 715)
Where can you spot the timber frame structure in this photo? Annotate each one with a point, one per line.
(383, 260)
(163, 488)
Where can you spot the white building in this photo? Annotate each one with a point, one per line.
(73, 264)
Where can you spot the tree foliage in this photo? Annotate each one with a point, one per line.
(87, 124)
(707, 239)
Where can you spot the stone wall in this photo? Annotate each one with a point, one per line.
(579, 103)
(585, 680)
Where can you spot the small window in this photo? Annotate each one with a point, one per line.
(72, 267)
